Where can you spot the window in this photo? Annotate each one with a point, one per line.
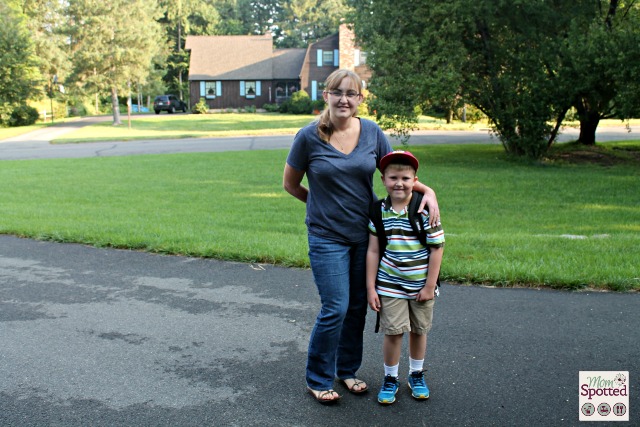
(327, 57)
(284, 90)
(360, 57)
(250, 89)
(210, 90)
(316, 90)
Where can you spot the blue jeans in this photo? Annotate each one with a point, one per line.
(335, 346)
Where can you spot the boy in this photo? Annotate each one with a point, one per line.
(401, 282)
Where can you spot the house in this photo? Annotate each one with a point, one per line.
(244, 71)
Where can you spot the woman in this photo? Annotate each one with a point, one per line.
(339, 153)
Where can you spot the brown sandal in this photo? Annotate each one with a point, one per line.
(355, 387)
(321, 396)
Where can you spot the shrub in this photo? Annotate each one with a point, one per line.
(271, 108)
(201, 107)
(24, 115)
(17, 115)
(317, 105)
(285, 107)
(363, 108)
(5, 114)
(300, 103)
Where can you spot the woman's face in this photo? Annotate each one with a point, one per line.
(343, 101)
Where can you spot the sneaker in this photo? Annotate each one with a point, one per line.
(418, 385)
(388, 391)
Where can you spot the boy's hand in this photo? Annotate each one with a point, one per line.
(427, 293)
(374, 301)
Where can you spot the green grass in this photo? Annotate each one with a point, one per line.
(216, 125)
(145, 126)
(507, 223)
(190, 126)
(15, 131)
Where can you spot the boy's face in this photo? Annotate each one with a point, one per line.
(399, 182)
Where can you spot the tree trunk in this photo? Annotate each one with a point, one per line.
(588, 125)
(589, 118)
(115, 106)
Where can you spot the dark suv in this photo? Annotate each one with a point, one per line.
(169, 103)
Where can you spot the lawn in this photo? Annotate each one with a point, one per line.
(553, 224)
(190, 126)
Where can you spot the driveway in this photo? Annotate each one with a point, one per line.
(104, 337)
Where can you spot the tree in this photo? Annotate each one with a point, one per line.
(113, 44)
(181, 18)
(305, 21)
(45, 20)
(18, 70)
(603, 64)
(508, 58)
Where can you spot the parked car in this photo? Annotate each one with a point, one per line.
(169, 103)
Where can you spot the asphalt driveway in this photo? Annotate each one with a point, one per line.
(107, 337)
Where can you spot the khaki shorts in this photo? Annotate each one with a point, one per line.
(398, 315)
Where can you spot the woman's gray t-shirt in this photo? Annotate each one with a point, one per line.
(340, 185)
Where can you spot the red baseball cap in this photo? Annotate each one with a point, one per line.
(399, 156)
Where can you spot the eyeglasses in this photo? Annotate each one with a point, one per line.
(350, 94)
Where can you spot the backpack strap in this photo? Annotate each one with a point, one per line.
(415, 219)
(375, 214)
(417, 224)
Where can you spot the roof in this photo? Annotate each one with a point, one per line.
(287, 63)
(230, 57)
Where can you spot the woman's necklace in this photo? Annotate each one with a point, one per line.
(339, 142)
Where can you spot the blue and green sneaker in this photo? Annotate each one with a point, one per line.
(388, 391)
(418, 385)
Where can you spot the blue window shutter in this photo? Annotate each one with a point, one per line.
(336, 57)
(319, 58)
(314, 90)
(242, 88)
(203, 91)
(258, 88)
(218, 88)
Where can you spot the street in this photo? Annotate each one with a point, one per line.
(35, 145)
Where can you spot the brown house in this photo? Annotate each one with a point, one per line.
(243, 71)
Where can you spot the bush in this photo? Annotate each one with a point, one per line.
(17, 115)
(300, 103)
(201, 107)
(271, 108)
(23, 115)
(5, 114)
(317, 105)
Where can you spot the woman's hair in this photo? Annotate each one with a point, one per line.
(325, 128)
